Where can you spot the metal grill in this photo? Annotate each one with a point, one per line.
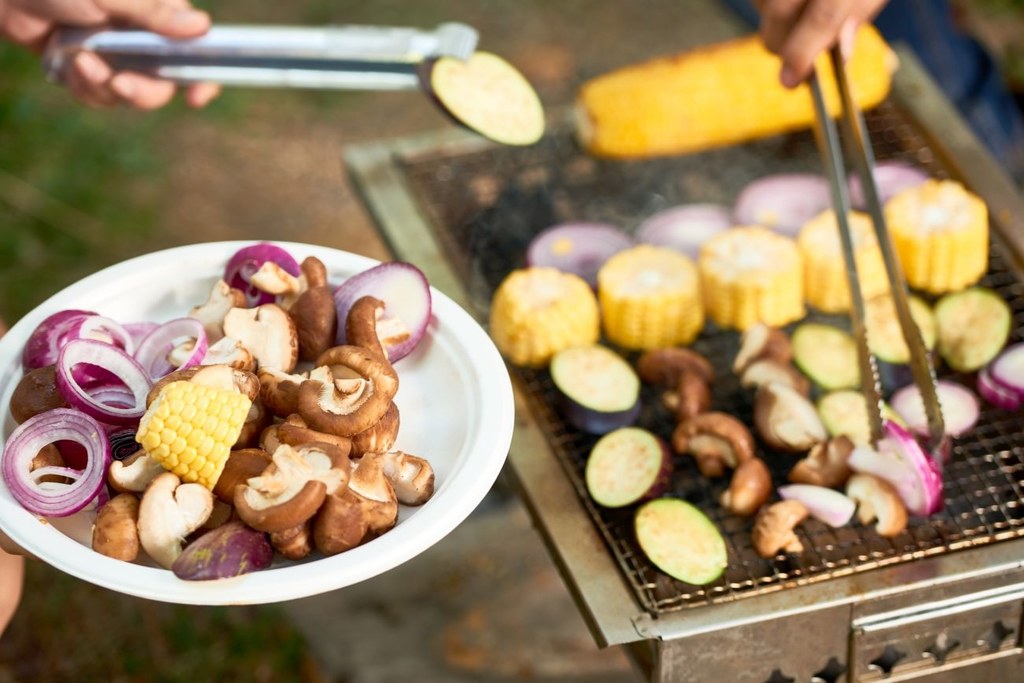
(487, 204)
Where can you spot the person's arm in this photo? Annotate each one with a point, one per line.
(799, 30)
(91, 80)
(12, 568)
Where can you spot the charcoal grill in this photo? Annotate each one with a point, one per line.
(941, 602)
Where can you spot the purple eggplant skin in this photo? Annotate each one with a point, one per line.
(231, 549)
(596, 422)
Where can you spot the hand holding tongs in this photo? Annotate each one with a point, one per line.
(859, 147)
(349, 57)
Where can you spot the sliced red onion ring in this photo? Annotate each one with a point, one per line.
(685, 228)
(891, 177)
(55, 499)
(902, 462)
(828, 505)
(407, 304)
(995, 392)
(579, 248)
(138, 331)
(783, 201)
(959, 405)
(154, 352)
(112, 359)
(46, 340)
(1007, 369)
(247, 260)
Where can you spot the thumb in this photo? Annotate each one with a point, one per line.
(172, 18)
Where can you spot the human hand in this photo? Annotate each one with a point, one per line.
(799, 30)
(90, 79)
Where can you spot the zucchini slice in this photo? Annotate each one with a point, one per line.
(681, 541)
(973, 326)
(826, 354)
(626, 466)
(885, 336)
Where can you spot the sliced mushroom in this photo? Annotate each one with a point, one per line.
(135, 473)
(292, 487)
(242, 464)
(749, 488)
(294, 432)
(376, 494)
(717, 440)
(825, 465)
(347, 406)
(279, 390)
(222, 299)
(690, 397)
(168, 513)
(877, 501)
(273, 279)
(786, 419)
(36, 392)
(115, 532)
(663, 366)
(361, 326)
(294, 543)
(231, 352)
(411, 476)
(764, 371)
(762, 342)
(340, 524)
(774, 529)
(258, 419)
(316, 321)
(268, 333)
(381, 437)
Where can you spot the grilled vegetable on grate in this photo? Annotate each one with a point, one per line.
(537, 312)
(650, 298)
(714, 96)
(680, 540)
(827, 354)
(626, 466)
(825, 280)
(750, 274)
(598, 390)
(190, 428)
(973, 326)
(940, 232)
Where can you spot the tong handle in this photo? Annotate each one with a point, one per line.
(334, 57)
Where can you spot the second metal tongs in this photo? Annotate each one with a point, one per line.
(334, 57)
(859, 148)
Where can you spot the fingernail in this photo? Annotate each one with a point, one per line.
(188, 18)
(788, 77)
(124, 86)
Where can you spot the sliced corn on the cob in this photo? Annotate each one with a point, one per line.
(650, 297)
(751, 274)
(538, 311)
(713, 96)
(825, 284)
(940, 232)
(189, 428)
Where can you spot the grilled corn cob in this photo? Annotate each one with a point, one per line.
(940, 233)
(751, 274)
(714, 96)
(649, 298)
(825, 284)
(539, 311)
(189, 428)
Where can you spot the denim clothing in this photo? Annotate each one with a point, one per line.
(959, 64)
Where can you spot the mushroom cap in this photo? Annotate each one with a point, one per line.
(376, 494)
(135, 473)
(279, 390)
(341, 524)
(222, 299)
(36, 392)
(825, 464)
(663, 366)
(773, 529)
(411, 476)
(316, 321)
(347, 406)
(268, 332)
(762, 342)
(242, 464)
(168, 513)
(786, 419)
(877, 501)
(381, 437)
(749, 488)
(718, 440)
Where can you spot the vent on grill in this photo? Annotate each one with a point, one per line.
(487, 205)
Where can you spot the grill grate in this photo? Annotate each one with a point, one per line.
(487, 205)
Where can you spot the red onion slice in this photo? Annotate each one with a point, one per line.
(579, 248)
(783, 201)
(685, 228)
(53, 499)
(825, 504)
(247, 260)
(995, 392)
(407, 304)
(154, 352)
(46, 340)
(959, 405)
(112, 359)
(1007, 369)
(902, 462)
(891, 177)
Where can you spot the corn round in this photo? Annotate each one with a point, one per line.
(825, 280)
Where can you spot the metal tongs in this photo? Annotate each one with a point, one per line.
(859, 147)
(337, 57)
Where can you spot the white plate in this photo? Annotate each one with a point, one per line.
(455, 399)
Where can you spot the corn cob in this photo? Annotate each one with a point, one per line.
(539, 311)
(825, 284)
(714, 96)
(750, 274)
(940, 233)
(189, 428)
(650, 298)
